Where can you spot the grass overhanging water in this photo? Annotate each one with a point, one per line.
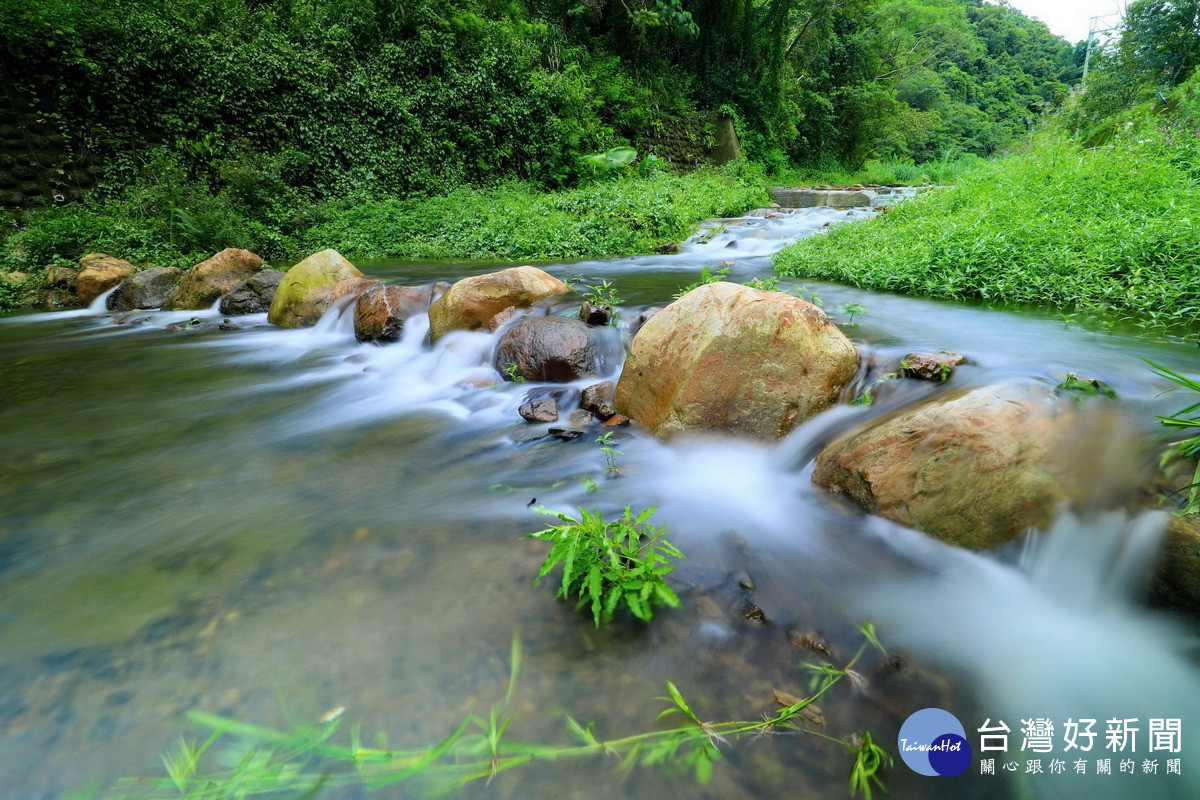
(304, 762)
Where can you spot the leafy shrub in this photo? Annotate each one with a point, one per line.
(611, 564)
(610, 218)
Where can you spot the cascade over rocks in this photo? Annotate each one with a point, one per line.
(554, 349)
(100, 272)
(474, 303)
(305, 293)
(204, 283)
(149, 288)
(254, 296)
(729, 357)
(381, 311)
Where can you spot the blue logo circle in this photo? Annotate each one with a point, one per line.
(933, 742)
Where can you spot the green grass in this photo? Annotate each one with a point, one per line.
(608, 218)
(1110, 233)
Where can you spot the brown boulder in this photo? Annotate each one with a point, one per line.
(58, 278)
(550, 349)
(1179, 564)
(598, 399)
(381, 311)
(147, 289)
(204, 283)
(973, 470)
(728, 357)
(100, 273)
(289, 307)
(474, 303)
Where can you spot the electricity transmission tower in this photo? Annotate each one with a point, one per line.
(1103, 24)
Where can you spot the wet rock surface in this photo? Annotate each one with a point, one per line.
(381, 311)
(204, 283)
(254, 295)
(550, 349)
(476, 303)
(305, 292)
(147, 289)
(728, 357)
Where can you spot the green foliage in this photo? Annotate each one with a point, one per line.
(610, 453)
(303, 762)
(706, 276)
(608, 565)
(1081, 387)
(631, 215)
(1107, 233)
(1186, 420)
(600, 294)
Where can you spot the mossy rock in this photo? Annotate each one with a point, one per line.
(288, 307)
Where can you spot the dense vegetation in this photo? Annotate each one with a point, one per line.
(283, 125)
(1097, 216)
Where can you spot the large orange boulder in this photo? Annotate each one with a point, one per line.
(973, 469)
(478, 302)
(729, 357)
(99, 273)
(204, 283)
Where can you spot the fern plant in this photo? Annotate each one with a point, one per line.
(610, 564)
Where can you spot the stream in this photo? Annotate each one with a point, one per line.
(268, 524)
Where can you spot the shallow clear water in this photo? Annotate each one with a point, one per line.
(268, 524)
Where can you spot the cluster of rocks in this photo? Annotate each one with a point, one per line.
(972, 467)
(851, 196)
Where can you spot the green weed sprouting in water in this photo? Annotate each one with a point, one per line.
(768, 284)
(513, 373)
(1086, 387)
(1186, 419)
(610, 453)
(303, 762)
(610, 564)
(706, 276)
(600, 294)
(853, 310)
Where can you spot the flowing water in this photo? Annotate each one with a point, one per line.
(269, 524)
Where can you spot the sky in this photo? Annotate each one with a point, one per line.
(1069, 18)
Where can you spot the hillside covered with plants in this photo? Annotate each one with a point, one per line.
(1094, 217)
(262, 123)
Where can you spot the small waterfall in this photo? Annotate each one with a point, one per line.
(100, 304)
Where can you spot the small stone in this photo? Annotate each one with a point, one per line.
(539, 409)
(617, 421)
(593, 314)
(706, 608)
(936, 367)
(227, 325)
(580, 418)
(598, 398)
(670, 248)
(566, 434)
(752, 613)
(744, 580)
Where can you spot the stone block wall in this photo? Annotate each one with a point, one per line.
(37, 164)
